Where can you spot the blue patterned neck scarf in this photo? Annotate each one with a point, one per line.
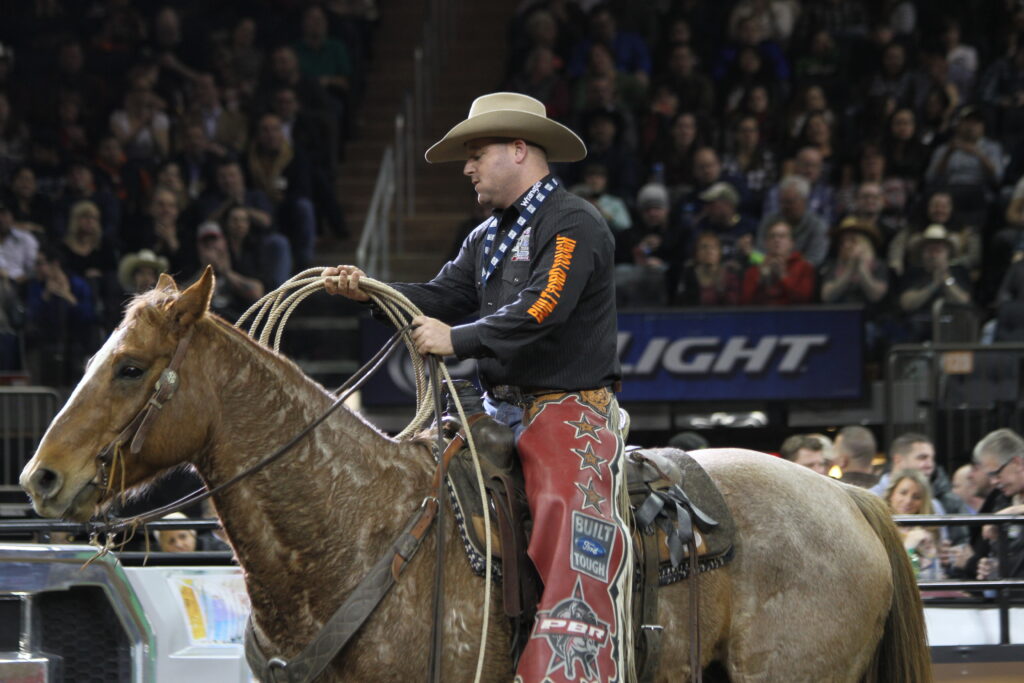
(530, 203)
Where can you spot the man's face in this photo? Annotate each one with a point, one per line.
(809, 164)
(812, 460)
(706, 167)
(164, 207)
(920, 456)
(230, 181)
(779, 241)
(490, 166)
(286, 104)
(870, 200)
(1007, 476)
(935, 256)
(792, 204)
(271, 133)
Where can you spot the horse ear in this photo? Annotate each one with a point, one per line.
(194, 301)
(167, 284)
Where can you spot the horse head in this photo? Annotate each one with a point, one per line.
(101, 444)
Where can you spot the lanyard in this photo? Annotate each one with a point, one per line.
(530, 203)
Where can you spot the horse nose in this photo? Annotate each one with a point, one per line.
(44, 483)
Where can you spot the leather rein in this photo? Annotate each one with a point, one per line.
(363, 600)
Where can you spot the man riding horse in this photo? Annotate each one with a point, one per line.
(539, 275)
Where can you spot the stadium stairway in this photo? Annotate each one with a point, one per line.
(323, 335)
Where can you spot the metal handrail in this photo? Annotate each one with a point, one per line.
(397, 188)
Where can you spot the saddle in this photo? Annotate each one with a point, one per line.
(674, 506)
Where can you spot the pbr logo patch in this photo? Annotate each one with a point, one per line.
(592, 541)
(521, 251)
(575, 634)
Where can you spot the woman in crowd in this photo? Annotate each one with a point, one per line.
(707, 280)
(86, 254)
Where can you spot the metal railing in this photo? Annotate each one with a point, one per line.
(25, 414)
(394, 195)
(1002, 587)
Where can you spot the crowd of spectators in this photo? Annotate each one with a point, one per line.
(912, 482)
(138, 137)
(777, 152)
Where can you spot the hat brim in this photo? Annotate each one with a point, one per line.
(558, 142)
(874, 237)
(130, 265)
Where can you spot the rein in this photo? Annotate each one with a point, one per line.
(273, 310)
(144, 417)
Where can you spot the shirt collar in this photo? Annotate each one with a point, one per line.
(515, 208)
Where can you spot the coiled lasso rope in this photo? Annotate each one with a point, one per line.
(274, 309)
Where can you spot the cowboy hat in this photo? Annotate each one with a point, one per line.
(508, 115)
(854, 224)
(140, 259)
(937, 233)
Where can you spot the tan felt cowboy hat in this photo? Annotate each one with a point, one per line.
(142, 258)
(509, 115)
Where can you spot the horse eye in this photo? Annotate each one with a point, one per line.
(130, 372)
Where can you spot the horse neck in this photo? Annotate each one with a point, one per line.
(306, 526)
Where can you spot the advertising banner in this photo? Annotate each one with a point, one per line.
(722, 354)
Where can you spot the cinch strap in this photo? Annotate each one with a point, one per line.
(530, 204)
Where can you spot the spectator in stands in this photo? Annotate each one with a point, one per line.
(857, 275)
(161, 230)
(809, 230)
(284, 72)
(231, 190)
(819, 134)
(595, 189)
(894, 79)
(912, 451)
(60, 322)
(869, 204)
(226, 130)
(138, 272)
(141, 128)
(536, 28)
(85, 253)
(176, 540)
(284, 175)
(127, 182)
(31, 210)
(746, 74)
(18, 248)
(855, 449)
(14, 138)
(541, 80)
(970, 165)
(821, 198)
(261, 256)
(775, 20)
(233, 292)
(326, 60)
(720, 216)
(810, 100)
(81, 185)
(645, 251)
(748, 35)
(708, 279)
(1002, 88)
(603, 88)
(907, 493)
(906, 157)
(753, 161)
(675, 159)
(961, 59)
(904, 247)
(176, 57)
(630, 52)
(606, 145)
(245, 59)
(707, 172)
(936, 279)
(971, 485)
(696, 92)
(784, 277)
(805, 452)
(1000, 455)
(759, 102)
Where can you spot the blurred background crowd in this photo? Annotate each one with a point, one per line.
(752, 152)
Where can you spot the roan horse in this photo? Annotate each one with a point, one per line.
(820, 588)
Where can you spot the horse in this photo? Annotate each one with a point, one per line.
(819, 588)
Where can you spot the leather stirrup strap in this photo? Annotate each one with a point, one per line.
(650, 629)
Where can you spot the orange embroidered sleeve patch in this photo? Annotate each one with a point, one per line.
(548, 299)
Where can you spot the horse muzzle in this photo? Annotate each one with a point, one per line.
(52, 496)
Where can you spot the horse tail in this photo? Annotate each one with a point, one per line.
(903, 654)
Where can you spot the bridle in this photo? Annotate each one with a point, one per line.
(138, 428)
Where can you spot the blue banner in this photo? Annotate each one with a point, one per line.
(726, 354)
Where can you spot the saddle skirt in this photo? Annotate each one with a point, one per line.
(664, 485)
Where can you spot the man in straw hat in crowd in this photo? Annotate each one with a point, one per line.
(935, 279)
(539, 273)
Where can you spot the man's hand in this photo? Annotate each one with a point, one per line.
(432, 336)
(344, 280)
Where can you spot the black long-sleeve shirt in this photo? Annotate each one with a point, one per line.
(547, 314)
